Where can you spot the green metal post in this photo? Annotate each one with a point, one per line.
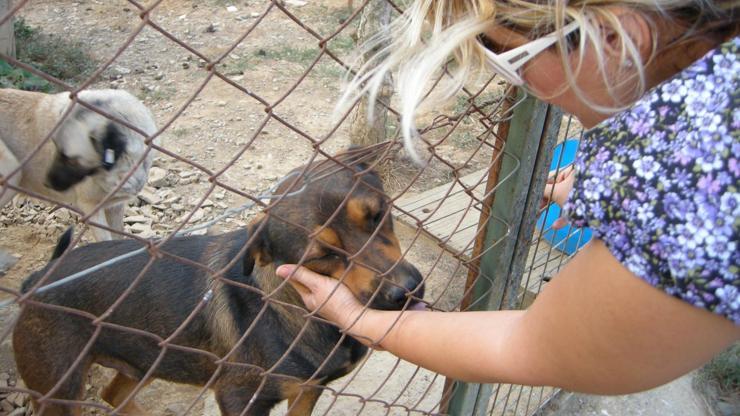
(532, 134)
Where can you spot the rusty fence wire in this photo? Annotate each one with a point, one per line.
(246, 147)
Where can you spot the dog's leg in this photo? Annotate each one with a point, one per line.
(232, 401)
(8, 163)
(99, 233)
(114, 214)
(118, 390)
(302, 403)
(99, 217)
(44, 351)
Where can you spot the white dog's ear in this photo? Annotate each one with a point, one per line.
(113, 145)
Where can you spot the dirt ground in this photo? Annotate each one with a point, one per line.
(677, 398)
(211, 131)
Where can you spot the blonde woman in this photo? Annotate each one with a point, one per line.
(657, 293)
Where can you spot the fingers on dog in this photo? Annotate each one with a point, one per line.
(296, 278)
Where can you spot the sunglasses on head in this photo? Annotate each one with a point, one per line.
(507, 64)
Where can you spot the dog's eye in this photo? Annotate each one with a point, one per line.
(326, 264)
(328, 257)
(376, 219)
(331, 257)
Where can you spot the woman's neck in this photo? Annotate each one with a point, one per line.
(664, 66)
(677, 58)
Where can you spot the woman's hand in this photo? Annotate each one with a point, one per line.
(557, 191)
(330, 298)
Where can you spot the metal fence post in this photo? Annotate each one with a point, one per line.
(527, 152)
(7, 38)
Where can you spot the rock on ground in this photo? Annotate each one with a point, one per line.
(7, 260)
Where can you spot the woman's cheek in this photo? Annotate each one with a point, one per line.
(545, 77)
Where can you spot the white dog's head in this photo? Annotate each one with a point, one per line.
(91, 145)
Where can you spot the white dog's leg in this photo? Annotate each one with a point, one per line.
(114, 214)
(8, 163)
(99, 234)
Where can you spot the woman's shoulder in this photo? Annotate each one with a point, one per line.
(658, 183)
(702, 97)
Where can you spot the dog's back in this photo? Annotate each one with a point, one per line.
(105, 285)
(158, 301)
(18, 110)
(12, 104)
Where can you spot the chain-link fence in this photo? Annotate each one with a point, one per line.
(247, 164)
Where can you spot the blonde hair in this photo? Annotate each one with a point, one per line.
(430, 33)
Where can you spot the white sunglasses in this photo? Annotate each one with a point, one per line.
(507, 64)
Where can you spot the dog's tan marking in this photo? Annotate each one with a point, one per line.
(269, 283)
(321, 241)
(301, 397)
(219, 316)
(390, 251)
(329, 237)
(360, 280)
(256, 250)
(118, 390)
(221, 321)
(291, 319)
(357, 211)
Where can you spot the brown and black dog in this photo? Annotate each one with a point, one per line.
(263, 368)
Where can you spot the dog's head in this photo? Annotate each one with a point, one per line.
(88, 142)
(341, 225)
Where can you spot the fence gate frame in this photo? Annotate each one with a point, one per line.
(528, 149)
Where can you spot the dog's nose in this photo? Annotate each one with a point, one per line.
(412, 285)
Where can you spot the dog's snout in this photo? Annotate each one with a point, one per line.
(63, 174)
(412, 285)
(416, 283)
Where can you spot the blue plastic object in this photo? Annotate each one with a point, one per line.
(566, 239)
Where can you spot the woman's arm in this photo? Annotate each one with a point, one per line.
(595, 328)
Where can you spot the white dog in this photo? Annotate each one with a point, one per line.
(87, 157)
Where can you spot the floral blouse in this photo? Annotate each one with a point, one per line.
(658, 183)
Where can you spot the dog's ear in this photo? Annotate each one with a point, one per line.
(259, 249)
(113, 145)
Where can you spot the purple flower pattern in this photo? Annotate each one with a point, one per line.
(658, 183)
